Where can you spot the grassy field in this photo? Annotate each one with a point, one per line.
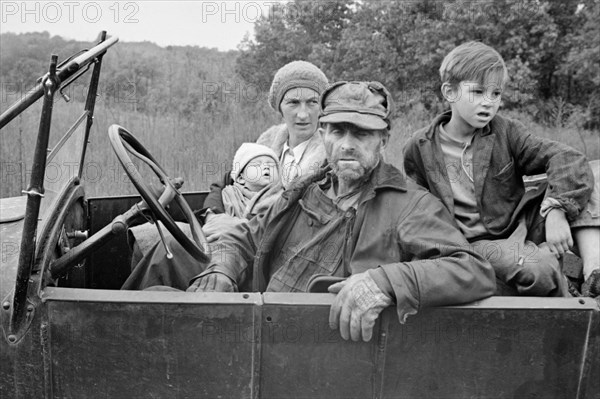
(198, 152)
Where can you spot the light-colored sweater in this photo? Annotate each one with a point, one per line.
(314, 155)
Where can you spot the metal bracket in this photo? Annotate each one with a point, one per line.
(11, 335)
(32, 192)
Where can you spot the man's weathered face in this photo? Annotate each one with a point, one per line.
(352, 151)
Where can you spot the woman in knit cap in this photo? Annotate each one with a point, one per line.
(294, 94)
(297, 147)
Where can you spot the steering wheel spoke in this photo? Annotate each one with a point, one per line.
(123, 143)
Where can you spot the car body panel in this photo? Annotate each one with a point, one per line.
(107, 343)
(10, 233)
(12, 209)
(151, 344)
(501, 347)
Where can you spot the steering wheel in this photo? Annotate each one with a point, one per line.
(123, 142)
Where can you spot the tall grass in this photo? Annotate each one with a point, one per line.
(199, 151)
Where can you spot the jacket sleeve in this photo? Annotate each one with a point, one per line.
(413, 164)
(443, 269)
(233, 254)
(570, 179)
(214, 199)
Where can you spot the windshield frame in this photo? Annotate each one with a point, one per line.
(36, 223)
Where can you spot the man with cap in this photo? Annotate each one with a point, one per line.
(357, 219)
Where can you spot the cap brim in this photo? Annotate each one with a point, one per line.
(364, 121)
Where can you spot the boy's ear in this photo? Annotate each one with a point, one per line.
(448, 92)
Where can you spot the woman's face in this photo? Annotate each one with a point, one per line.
(300, 110)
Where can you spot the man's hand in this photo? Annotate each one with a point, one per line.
(356, 307)
(558, 232)
(217, 223)
(213, 282)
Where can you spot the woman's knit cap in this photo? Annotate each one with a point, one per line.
(293, 75)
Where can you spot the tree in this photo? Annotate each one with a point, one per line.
(306, 30)
(581, 68)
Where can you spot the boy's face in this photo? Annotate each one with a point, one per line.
(475, 103)
(259, 172)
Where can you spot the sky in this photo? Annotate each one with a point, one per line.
(218, 24)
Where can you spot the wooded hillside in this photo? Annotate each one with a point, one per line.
(193, 107)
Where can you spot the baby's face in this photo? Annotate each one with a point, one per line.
(260, 172)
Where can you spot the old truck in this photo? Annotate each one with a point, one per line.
(69, 332)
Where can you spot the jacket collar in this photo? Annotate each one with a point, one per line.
(279, 139)
(384, 176)
(483, 145)
(445, 118)
(282, 136)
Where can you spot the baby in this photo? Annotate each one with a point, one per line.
(254, 168)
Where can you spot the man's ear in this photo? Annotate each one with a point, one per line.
(385, 139)
(448, 92)
(322, 129)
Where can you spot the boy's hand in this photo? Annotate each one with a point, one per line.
(558, 232)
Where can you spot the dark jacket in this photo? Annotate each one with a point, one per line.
(503, 152)
(404, 230)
